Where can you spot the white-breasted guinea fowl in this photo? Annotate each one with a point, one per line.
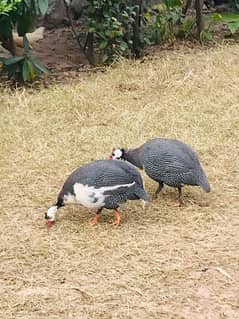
(167, 161)
(100, 184)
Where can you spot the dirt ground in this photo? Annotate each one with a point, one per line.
(60, 51)
(163, 261)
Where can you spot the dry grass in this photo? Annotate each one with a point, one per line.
(162, 262)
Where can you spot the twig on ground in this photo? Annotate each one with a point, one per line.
(222, 271)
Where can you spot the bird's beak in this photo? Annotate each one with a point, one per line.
(49, 223)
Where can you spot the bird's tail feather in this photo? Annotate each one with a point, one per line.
(141, 193)
(203, 182)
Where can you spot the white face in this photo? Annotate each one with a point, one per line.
(117, 154)
(51, 213)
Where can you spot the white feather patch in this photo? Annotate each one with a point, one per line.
(52, 212)
(118, 153)
(89, 196)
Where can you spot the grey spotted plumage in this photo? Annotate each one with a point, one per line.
(167, 161)
(100, 184)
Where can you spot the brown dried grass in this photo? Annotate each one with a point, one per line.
(164, 262)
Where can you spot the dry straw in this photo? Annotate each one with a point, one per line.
(150, 267)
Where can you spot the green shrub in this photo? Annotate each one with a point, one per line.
(20, 14)
(109, 22)
(163, 21)
(22, 68)
(229, 19)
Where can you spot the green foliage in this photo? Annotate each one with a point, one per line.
(43, 6)
(110, 23)
(236, 3)
(8, 6)
(113, 28)
(22, 68)
(206, 35)
(163, 21)
(230, 19)
(19, 14)
(186, 28)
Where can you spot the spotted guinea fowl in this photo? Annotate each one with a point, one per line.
(100, 184)
(167, 161)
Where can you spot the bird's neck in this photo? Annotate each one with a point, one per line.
(133, 156)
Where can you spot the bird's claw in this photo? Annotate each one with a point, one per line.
(116, 223)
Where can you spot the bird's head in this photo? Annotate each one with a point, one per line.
(50, 216)
(117, 154)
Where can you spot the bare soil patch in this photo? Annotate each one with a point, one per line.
(60, 51)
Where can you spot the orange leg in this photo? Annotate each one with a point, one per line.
(95, 220)
(117, 218)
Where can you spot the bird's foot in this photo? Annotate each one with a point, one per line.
(95, 220)
(116, 223)
(179, 204)
(154, 196)
(117, 219)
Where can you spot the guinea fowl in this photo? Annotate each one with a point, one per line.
(100, 184)
(167, 161)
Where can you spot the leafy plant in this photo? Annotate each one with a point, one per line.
(206, 35)
(230, 19)
(109, 26)
(109, 29)
(163, 21)
(19, 14)
(22, 68)
(236, 3)
(186, 28)
(7, 6)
